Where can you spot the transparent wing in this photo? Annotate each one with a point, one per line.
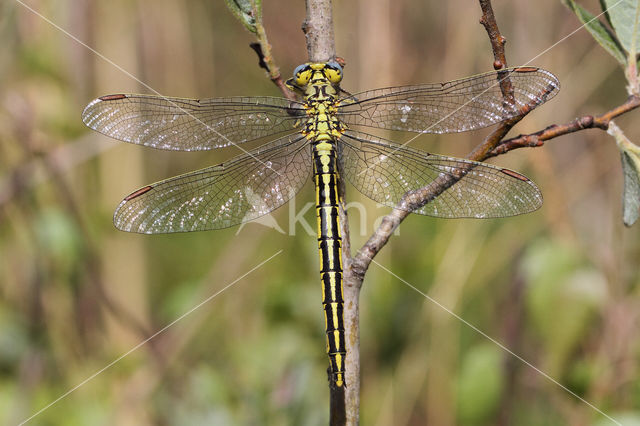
(455, 106)
(190, 124)
(243, 189)
(385, 172)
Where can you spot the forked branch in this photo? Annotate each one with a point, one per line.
(586, 122)
(493, 145)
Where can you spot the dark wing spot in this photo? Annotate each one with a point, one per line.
(112, 97)
(515, 175)
(525, 69)
(138, 193)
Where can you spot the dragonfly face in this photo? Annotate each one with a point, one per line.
(306, 75)
(325, 146)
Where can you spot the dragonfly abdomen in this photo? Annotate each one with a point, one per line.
(330, 249)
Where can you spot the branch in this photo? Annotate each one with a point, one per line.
(419, 198)
(586, 122)
(488, 20)
(265, 57)
(416, 199)
(318, 29)
(492, 146)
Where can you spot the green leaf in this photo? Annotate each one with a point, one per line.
(631, 192)
(480, 384)
(630, 155)
(245, 12)
(598, 31)
(603, 5)
(563, 288)
(624, 19)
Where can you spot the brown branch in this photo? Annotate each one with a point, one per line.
(265, 57)
(416, 199)
(490, 147)
(586, 122)
(318, 29)
(488, 20)
(267, 63)
(497, 41)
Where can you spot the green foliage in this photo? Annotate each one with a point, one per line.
(623, 42)
(562, 289)
(246, 11)
(255, 353)
(13, 342)
(624, 45)
(58, 235)
(630, 156)
(598, 31)
(480, 384)
(624, 15)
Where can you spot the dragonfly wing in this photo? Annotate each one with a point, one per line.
(216, 197)
(386, 172)
(455, 106)
(190, 124)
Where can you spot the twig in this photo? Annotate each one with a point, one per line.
(318, 29)
(586, 122)
(265, 57)
(492, 146)
(416, 199)
(488, 20)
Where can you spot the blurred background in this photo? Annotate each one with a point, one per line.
(558, 287)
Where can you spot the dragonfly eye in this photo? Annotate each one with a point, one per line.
(333, 71)
(302, 75)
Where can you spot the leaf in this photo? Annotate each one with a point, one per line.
(245, 12)
(630, 155)
(598, 31)
(631, 192)
(562, 288)
(603, 5)
(481, 384)
(624, 19)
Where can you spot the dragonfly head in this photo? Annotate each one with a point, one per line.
(314, 72)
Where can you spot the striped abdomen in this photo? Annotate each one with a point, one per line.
(330, 248)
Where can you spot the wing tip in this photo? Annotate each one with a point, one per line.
(86, 113)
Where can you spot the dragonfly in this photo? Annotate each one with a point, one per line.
(316, 136)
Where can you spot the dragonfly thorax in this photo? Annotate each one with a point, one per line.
(319, 84)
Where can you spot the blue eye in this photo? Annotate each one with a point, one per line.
(335, 65)
(299, 69)
(333, 72)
